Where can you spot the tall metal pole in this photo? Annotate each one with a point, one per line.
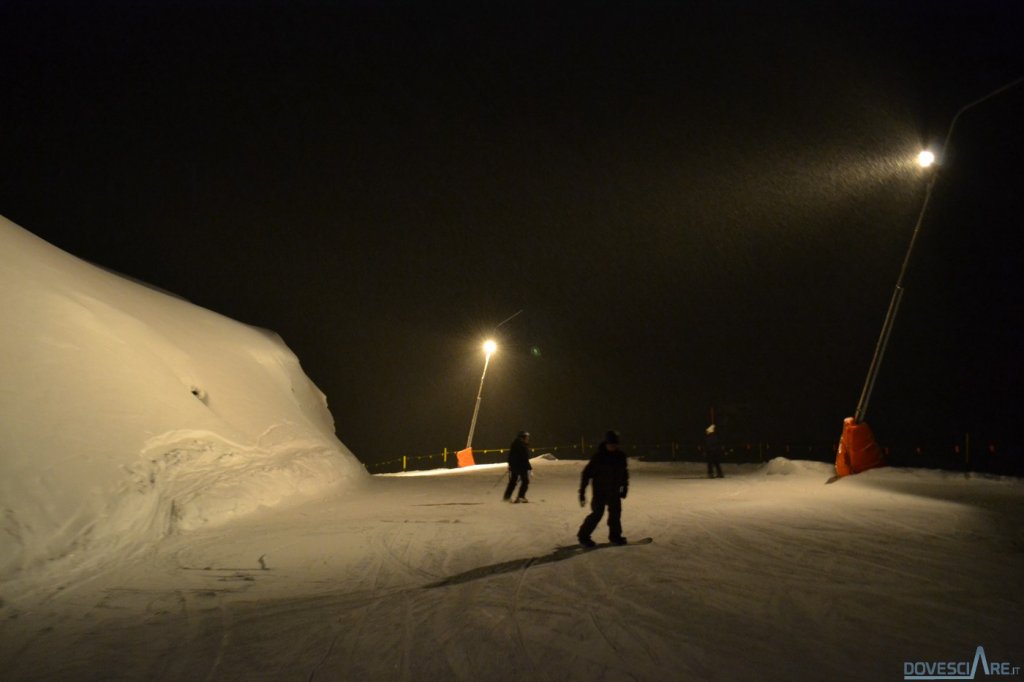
(479, 393)
(476, 408)
(890, 315)
(897, 294)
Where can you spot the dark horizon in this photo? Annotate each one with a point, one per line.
(693, 207)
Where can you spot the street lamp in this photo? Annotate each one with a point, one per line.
(925, 159)
(857, 448)
(489, 347)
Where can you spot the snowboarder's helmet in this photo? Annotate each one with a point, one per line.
(612, 437)
(524, 434)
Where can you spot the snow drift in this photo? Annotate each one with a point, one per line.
(127, 414)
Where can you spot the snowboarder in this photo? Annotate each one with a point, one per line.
(713, 451)
(608, 470)
(519, 467)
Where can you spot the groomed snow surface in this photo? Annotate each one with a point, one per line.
(767, 574)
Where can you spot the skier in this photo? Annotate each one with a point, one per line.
(713, 451)
(519, 467)
(610, 474)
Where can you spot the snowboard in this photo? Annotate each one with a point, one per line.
(600, 545)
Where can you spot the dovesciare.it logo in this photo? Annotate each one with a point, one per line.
(958, 670)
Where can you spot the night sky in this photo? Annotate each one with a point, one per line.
(693, 206)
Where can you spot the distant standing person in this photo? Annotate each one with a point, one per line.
(713, 451)
(608, 470)
(519, 467)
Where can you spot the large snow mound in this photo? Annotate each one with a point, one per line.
(127, 414)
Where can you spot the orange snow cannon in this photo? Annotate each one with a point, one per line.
(465, 457)
(858, 450)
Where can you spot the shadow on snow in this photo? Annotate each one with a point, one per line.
(560, 554)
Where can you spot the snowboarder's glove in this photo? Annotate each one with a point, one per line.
(583, 499)
(622, 493)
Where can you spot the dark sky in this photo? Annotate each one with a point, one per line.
(692, 205)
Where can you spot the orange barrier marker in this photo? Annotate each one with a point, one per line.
(465, 457)
(858, 450)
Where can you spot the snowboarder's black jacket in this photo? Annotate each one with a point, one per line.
(712, 448)
(519, 456)
(608, 470)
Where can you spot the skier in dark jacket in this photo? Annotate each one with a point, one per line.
(519, 467)
(608, 470)
(713, 451)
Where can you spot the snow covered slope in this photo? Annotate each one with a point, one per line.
(767, 575)
(127, 414)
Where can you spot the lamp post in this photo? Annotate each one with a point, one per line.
(925, 160)
(857, 449)
(489, 347)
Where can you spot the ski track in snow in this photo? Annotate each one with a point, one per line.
(757, 576)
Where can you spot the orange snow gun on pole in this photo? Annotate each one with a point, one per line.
(857, 448)
(465, 457)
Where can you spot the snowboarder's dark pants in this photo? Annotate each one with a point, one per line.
(717, 465)
(513, 477)
(597, 505)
